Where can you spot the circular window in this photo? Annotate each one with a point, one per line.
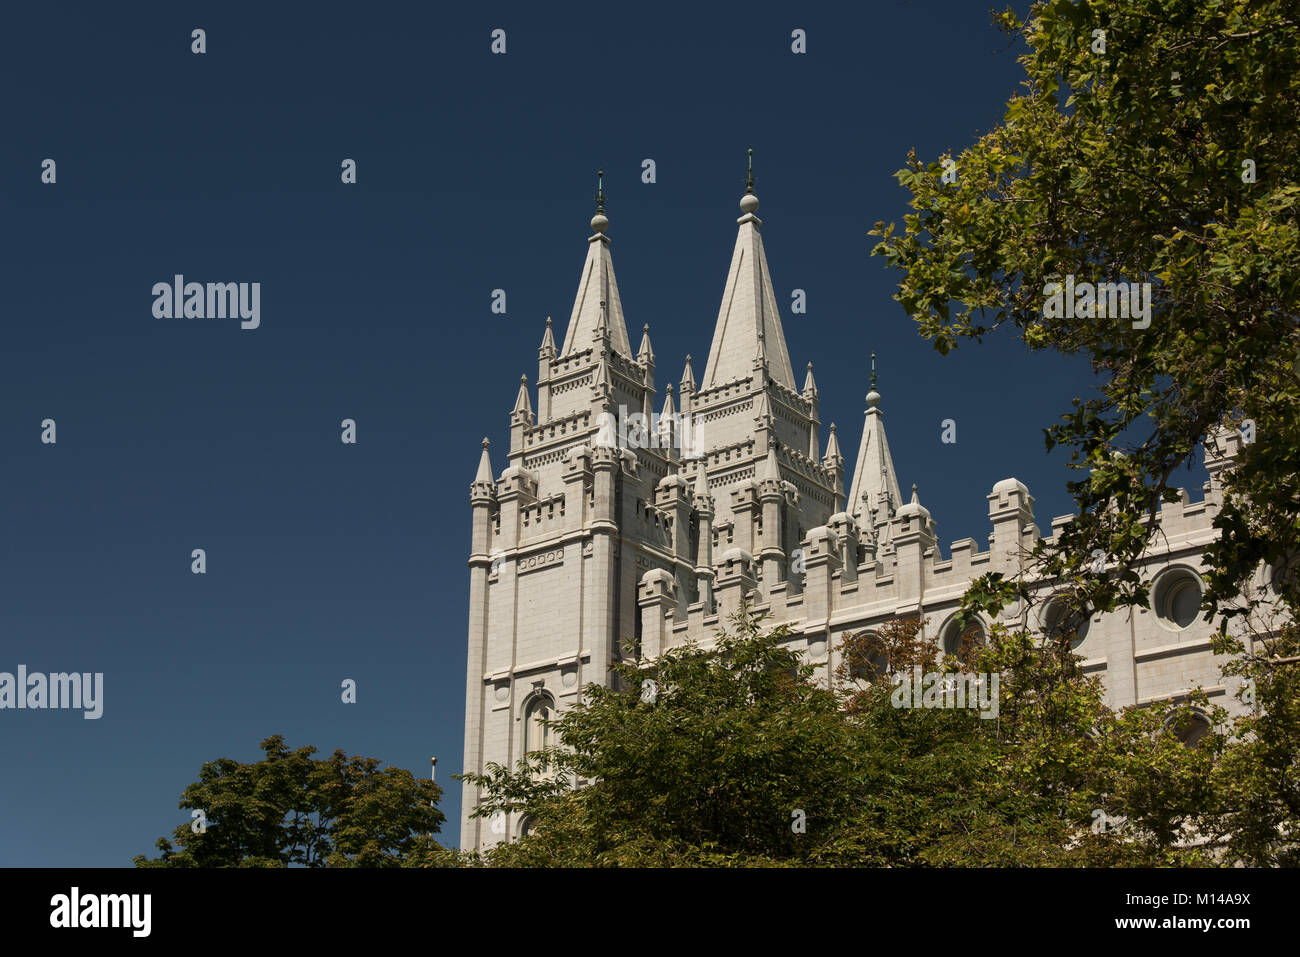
(1057, 621)
(1177, 598)
(953, 640)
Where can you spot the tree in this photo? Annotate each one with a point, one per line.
(1155, 149)
(733, 758)
(292, 809)
(1156, 142)
(736, 756)
(1257, 783)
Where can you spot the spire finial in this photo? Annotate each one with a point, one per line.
(749, 202)
(600, 222)
(873, 397)
(486, 443)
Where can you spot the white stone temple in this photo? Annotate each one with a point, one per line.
(592, 536)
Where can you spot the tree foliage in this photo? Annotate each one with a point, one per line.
(292, 809)
(1154, 141)
(741, 757)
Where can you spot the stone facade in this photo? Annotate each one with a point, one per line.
(596, 534)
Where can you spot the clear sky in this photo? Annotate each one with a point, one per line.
(475, 172)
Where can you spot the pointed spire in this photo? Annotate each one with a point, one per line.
(701, 481)
(748, 320)
(914, 508)
(484, 465)
(809, 383)
(770, 471)
(668, 424)
(597, 302)
(600, 383)
(762, 410)
(645, 353)
(833, 448)
(688, 377)
(523, 404)
(875, 483)
(548, 342)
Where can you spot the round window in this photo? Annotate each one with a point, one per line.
(1178, 598)
(954, 640)
(1057, 621)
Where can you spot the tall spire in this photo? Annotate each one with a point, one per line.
(688, 377)
(668, 424)
(523, 404)
(646, 351)
(701, 482)
(597, 288)
(600, 382)
(873, 475)
(748, 319)
(548, 341)
(833, 448)
(484, 465)
(809, 383)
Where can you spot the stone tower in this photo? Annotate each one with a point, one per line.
(697, 502)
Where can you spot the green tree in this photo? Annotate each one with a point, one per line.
(1155, 141)
(732, 758)
(292, 809)
(1257, 783)
(737, 756)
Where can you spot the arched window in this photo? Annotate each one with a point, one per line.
(1190, 729)
(537, 730)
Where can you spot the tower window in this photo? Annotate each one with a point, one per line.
(1176, 598)
(538, 717)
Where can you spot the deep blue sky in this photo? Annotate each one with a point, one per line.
(328, 561)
